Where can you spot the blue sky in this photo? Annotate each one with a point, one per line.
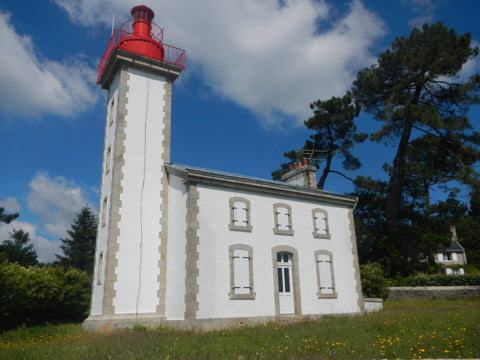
(253, 68)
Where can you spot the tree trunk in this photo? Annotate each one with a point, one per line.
(326, 170)
(397, 177)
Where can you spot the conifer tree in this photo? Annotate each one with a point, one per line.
(19, 249)
(414, 89)
(79, 248)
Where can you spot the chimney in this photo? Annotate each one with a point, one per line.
(301, 174)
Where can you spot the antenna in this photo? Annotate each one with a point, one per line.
(113, 22)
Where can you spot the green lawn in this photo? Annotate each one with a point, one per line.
(409, 329)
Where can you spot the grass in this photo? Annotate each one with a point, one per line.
(407, 329)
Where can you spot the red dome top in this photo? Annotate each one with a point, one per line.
(142, 12)
(142, 41)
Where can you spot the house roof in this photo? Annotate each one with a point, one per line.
(453, 247)
(226, 180)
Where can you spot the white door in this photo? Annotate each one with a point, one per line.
(285, 285)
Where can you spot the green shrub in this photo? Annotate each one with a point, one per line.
(373, 281)
(444, 280)
(35, 295)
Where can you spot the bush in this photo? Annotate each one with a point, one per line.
(444, 280)
(35, 295)
(373, 281)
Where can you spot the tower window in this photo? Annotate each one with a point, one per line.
(104, 212)
(111, 111)
(99, 268)
(108, 156)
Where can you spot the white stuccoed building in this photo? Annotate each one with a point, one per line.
(195, 248)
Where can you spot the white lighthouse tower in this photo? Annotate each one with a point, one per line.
(137, 70)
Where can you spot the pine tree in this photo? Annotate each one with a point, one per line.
(414, 89)
(79, 248)
(19, 249)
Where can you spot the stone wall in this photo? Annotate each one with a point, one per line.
(458, 292)
(373, 304)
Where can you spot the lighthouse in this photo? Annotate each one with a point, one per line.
(137, 70)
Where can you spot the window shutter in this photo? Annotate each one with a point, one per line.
(283, 222)
(321, 223)
(240, 213)
(324, 269)
(241, 272)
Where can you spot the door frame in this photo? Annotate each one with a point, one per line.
(295, 285)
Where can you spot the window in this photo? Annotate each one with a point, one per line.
(108, 156)
(111, 111)
(325, 277)
(241, 272)
(282, 214)
(104, 212)
(320, 224)
(99, 268)
(239, 214)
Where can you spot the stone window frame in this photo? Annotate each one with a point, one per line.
(232, 226)
(315, 233)
(332, 274)
(275, 216)
(231, 254)
(99, 268)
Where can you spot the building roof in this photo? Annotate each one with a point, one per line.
(453, 247)
(222, 179)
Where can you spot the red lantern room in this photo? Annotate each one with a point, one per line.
(142, 37)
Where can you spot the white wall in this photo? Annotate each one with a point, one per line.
(138, 253)
(106, 189)
(214, 266)
(177, 211)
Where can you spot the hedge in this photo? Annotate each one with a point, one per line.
(39, 295)
(444, 280)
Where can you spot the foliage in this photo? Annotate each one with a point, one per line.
(405, 329)
(79, 248)
(37, 295)
(443, 280)
(335, 134)
(7, 218)
(414, 89)
(373, 281)
(19, 249)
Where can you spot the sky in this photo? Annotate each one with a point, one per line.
(253, 68)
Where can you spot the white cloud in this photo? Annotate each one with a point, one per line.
(423, 11)
(46, 249)
(11, 205)
(31, 87)
(56, 201)
(267, 55)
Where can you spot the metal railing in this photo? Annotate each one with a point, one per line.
(172, 55)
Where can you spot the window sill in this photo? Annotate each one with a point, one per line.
(321, 236)
(242, 296)
(240, 228)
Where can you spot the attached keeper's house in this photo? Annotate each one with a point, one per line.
(196, 248)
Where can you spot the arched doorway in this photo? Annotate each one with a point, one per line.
(285, 295)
